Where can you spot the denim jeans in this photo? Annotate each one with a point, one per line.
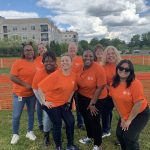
(56, 115)
(47, 124)
(17, 111)
(79, 116)
(107, 115)
(39, 112)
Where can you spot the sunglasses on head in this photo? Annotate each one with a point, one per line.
(125, 69)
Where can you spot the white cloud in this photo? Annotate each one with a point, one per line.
(12, 14)
(100, 18)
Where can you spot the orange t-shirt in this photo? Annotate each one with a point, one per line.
(110, 70)
(38, 62)
(126, 97)
(57, 87)
(89, 79)
(25, 71)
(76, 63)
(39, 76)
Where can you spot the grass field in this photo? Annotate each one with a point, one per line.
(25, 144)
(138, 68)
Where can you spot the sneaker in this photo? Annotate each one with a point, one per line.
(41, 128)
(106, 134)
(30, 135)
(81, 126)
(117, 143)
(14, 139)
(85, 140)
(97, 148)
(73, 147)
(59, 148)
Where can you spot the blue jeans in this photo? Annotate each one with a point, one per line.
(79, 116)
(17, 111)
(39, 112)
(56, 115)
(107, 115)
(47, 124)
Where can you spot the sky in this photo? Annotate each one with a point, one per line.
(90, 18)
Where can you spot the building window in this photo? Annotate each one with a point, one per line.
(24, 28)
(15, 37)
(74, 36)
(14, 28)
(5, 29)
(44, 36)
(33, 27)
(24, 37)
(5, 36)
(33, 37)
(44, 28)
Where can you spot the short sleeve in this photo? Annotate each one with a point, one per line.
(15, 68)
(137, 91)
(36, 80)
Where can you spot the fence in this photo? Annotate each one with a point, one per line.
(6, 87)
(136, 59)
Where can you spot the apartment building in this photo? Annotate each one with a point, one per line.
(34, 29)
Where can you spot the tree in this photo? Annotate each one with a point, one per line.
(94, 41)
(105, 42)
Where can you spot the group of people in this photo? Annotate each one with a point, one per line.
(97, 81)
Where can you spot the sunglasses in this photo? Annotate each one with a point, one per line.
(125, 69)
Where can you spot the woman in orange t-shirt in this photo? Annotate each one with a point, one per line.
(91, 80)
(22, 73)
(76, 64)
(128, 96)
(39, 64)
(56, 91)
(110, 59)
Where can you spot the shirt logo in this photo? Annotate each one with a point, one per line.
(126, 93)
(89, 78)
(73, 82)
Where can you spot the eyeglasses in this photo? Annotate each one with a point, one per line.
(125, 69)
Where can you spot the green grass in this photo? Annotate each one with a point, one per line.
(142, 68)
(4, 71)
(25, 144)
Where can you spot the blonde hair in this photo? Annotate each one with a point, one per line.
(72, 44)
(104, 59)
(66, 54)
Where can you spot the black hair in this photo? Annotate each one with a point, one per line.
(23, 46)
(131, 77)
(49, 54)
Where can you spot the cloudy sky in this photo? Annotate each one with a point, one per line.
(90, 18)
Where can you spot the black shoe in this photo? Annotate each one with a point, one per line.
(46, 139)
(72, 147)
(59, 148)
(41, 128)
(117, 143)
(81, 126)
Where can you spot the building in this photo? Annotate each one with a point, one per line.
(34, 29)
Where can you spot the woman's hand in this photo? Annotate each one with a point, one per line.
(125, 124)
(93, 109)
(48, 104)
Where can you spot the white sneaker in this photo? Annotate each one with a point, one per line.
(14, 139)
(97, 148)
(106, 134)
(30, 135)
(85, 140)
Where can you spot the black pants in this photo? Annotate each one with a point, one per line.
(92, 123)
(56, 115)
(129, 139)
(107, 115)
